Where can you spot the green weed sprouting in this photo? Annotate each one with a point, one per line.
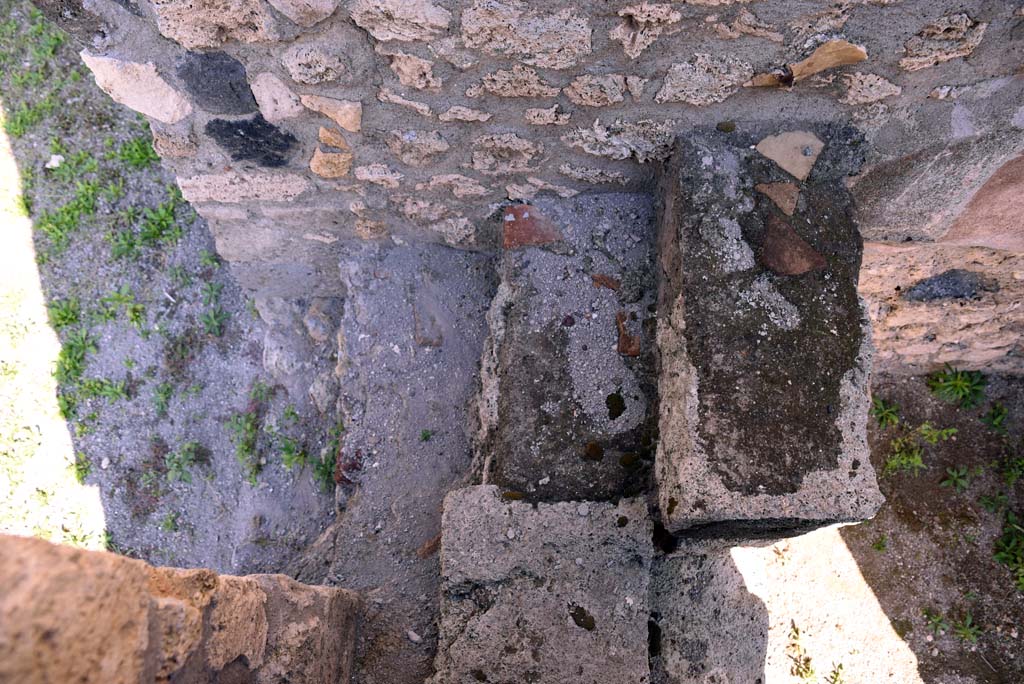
(966, 388)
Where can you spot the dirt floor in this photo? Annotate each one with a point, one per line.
(209, 424)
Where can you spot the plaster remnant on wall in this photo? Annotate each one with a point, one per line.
(415, 148)
(412, 71)
(422, 211)
(459, 185)
(552, 116)
(596, 91)
(305, 13)
(635, 85)
(534, 186)
(233, 187)
(813, 30)
(591, 175)
(642, 25)
(643, 140)
(275, 99)
(704, 80)
(211, 23)
(459, 113)
(348, 115)
(391, 97)
(867, 88)
(519, 81)
(312, 64)
(379, 174)
(404, 20)
(503, 153)
(173, 141)
(139, 87)
(508, 27)
(714, 3)
(455, 231)
(747, 23)
(451, 50)
(952, 36)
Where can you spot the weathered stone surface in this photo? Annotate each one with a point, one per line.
(404, 20)
(459, 185)
(68, 615)
(331, 164)
(707, 625)
(503, 153)
(313, 63)
(794, 151)
(275, 99)
(412, 71)
(173, 141)
(211, 23)
(744, 346)
(553, 594)
(519, 81)
(235, 187)
(747, 23)
(458, 113)
(217, 82)
(643, 140)
(993, 216)
(983, 332)
(867, 88)
(391, 97)
(591, 175)
(379, 174)
(552, 116)
(642, 25)
(952, 36)
(416, 148)
(956, 283)
(348, 115)
(138, 86)
(535, 186)
(305, 13)
(252, 140)
(564, 414)
(508, 27)
(596, 91)
(704, 80)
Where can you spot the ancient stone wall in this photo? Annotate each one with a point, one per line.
(68, 615)
(296, 125)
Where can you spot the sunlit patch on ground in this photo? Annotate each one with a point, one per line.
(824, 622)
(40, 494)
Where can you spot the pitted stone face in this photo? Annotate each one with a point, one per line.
(762, 338)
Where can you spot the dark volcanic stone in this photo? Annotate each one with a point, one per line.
(252, 140)
(956, 283)
(217, 83)
(764, 359)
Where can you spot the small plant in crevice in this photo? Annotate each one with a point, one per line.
(213, 321)
(954, 386)
(966, 630)
(885, 413)
(835, 676)
(1009, 548)
(82, 467)
(169, 523)
(162, 394)
(245, 434)
(881, 544)
(426, 435)
(906, 453)
(800, 663)
(993, 503)
(64, 312)
(957, 478)
(180, 462)
(995, 418)
(937, 624)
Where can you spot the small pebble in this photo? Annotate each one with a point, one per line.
(544, 481)
(105, 463)
(511, 534)
(583, 509)
(414, 637)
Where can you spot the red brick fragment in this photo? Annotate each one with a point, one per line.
(629, 345)
(524, 226)
(602, 280)
(787, 253)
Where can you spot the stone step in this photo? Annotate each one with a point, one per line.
(764, 344)
(567, 383)
(547, 593)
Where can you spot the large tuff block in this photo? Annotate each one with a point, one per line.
(567, 380)
(765, 346)
(68, 615)
(548, 594)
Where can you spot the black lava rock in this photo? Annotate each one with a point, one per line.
(956, 283)
(217, 82)
(252, 140)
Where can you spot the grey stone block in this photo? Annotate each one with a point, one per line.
(548, 594)
(765, 346)
(567, 377)
(706, 627)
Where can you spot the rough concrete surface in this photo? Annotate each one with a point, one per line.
(567, 395)
(546, 593)
(765, 348)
